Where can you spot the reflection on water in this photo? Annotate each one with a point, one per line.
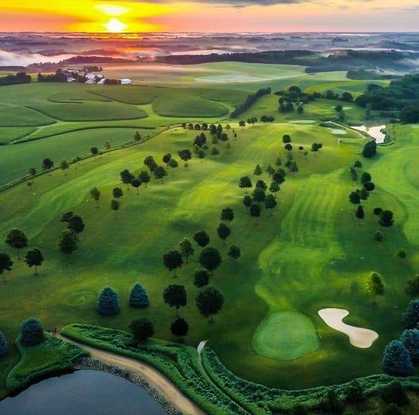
(83, 392)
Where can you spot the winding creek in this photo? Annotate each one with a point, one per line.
(83, 392)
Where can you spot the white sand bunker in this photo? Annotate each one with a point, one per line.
(358, 337)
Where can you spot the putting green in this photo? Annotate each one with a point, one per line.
(285, 336)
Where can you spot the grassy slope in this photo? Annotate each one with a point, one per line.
(112, 253)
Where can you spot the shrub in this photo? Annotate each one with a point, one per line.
(4, 345)
(394, 393)
(410, 340)
(397, 361)
(201, 278)
(412, 288)
(179, 327)
(392, 409)
(138, 297)
(108, 303)
(411, 316)
(354, 393)
(375, 284)
(32, 333)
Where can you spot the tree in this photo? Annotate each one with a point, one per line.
(17, 239)
(370, 149)
(288, 147)
(175, 296)
(255, 211)
(259, 195)
(150, 163)
(126, 177)
(227, 214)
(160, 172)
(412, 288)
(144, 177)
(396, 360)
(359, 213)
(375, 284)
(136, 183)
(260, 184)
(209, 302)
(166, 158)
(210, 259)
(411, 316)
(223, 231)
(47, 164)
(286, 138)
(94, 151)
(173, 260)
(115, 205)
(245, 182)
(365, 177)
(279, 176)
(142, 329)
(270, 202)
(247, 201)
(186, 249)
(138, 297)
(68, 243)
(202, 239)
(386, 218)
(369, 186)
(410, 340)
(173, 164)
(117, 193)
(64, 165)
(31, 333)
(6, 263)
(137, 137)
(108, 303)
(4, 345)
(76, 224)
(234, 252)
(378, 211)
(179, 327)
(201, 278)
(95, 194)
(185, 155)
(258, 170)
(34, 258)
(32, 172)
(274, 187)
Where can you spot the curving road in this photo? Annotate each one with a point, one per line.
(158, 381)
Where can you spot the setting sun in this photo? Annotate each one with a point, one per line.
(115, 26)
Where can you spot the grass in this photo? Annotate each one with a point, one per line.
(50, 357)
(285, 336)
(309, 254)
(17, 116)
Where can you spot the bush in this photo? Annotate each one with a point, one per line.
(32, 333)
(354, 393)
(4, 345)
(410, 340)
(394, 393)
(108, 303)
(370, 149)
(411, 316)
(142, 329)
(201, 278)
(392, 409)
(397, 361)
(138, 297)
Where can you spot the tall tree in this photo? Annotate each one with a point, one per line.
(175, 296)
(138, 297)
(17, 239)
(359, 213)
(136, 183)
(209, 302)
(76, 225)
(142, 329)
(47, 164)
(173, 260)
(117, 193)
(186, 249)
(126, 177)
(234, 252)
(179, 327)
(185, 155)
(223, 231)
(210, 259)
(31, 333)
(144, 177)
(6, 263)
(396, 360)
(202, 239)
(68, 243)
(227, 214)
(34, 258)
(201, 278)
(95, 195)
(108, 303)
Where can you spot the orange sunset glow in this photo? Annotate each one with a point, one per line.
(208, 16)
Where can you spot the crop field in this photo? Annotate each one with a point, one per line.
(308, 253)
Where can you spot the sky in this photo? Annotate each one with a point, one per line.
(209, 15)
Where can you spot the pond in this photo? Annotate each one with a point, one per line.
(83, 392)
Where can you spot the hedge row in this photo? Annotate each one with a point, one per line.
(179, 363)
